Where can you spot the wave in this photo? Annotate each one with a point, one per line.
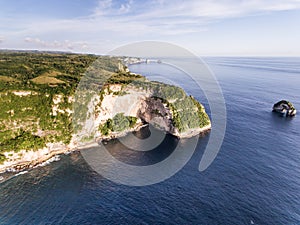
(53, 159)
(21, 173)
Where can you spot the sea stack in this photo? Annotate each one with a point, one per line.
(284, 108)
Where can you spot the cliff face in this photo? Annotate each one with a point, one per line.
(155, 112)
(135, 103)
(123, 108)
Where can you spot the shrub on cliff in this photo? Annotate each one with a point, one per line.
(118, 123)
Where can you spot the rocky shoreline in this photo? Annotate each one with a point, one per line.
(21, 165)
(18, 165)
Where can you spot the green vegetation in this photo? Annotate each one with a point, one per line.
(35, 91)
(118, 123)
(187, 112)
(124, 78)
(2, 158)
(26, 67)
(29, 83)
(22, 140)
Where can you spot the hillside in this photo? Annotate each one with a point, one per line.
(42, 113)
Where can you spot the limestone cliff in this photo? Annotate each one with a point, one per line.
(119, 109)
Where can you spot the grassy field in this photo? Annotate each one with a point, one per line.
(45, 79)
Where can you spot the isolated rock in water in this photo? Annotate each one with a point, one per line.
(285, 108)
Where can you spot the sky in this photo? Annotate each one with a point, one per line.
(205, 27)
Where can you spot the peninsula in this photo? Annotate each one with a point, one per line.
(52, 103)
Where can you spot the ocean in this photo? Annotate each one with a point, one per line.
(254, 179)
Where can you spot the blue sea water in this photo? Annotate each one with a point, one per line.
(255, 178)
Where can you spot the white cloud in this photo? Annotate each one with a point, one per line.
(103, 7)
(168, 17)
(158, 17)
(125, 8)
(112, 8)
(209, 9)
(66, 44)
(134, 20)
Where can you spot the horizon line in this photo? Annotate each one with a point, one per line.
(104, 54)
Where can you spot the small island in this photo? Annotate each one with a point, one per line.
(284, 108)
(43, 114)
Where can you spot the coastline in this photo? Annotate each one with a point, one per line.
(23, 160)
(19, 166)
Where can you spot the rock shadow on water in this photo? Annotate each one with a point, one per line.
(140, 157)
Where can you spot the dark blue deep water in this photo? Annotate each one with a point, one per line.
(255, 178)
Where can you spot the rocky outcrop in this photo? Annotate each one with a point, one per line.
(284, 108)
(155, 112)
(177, 114)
